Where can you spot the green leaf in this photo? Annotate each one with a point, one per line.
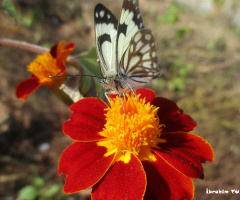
(90, 67)
(38, 181)
(28, 192)
(176, 84)
(181, 33)
(158, 84)
(171, 18)
(92, 54)
(159, 20)
(27, 20)
(85, 84)
(9, 8)
(51, 191)
(190, 67)
(182, 71)
(217, 44)
(181, 58)
(175, 8)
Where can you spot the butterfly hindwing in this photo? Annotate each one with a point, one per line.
(130, 22)
(105, 37)
(139, 62)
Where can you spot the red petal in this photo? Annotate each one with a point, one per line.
(147, 93)
(172, 117)
(157, 187)
(84, 164)
(62, 57)
(70, 46)
(187, 155)
(60, 47)
(63, 52)
(122, 181)
(86, 121)
(112, 96)
(61, 65)
(165, 183)
(181, 164)
(27, 87)
(190, 142)
(53, 51)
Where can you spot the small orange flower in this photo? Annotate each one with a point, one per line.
(50, 63)
(145, 152)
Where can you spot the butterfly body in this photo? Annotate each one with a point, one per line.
(126, 50)
(116, 84)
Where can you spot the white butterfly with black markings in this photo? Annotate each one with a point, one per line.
(126, 50)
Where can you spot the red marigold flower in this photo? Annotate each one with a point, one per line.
(50, 63)
(145, 152)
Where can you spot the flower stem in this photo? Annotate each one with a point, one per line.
(23, 45)
(35, 49)
(67, 94)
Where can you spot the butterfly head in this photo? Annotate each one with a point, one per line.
(116, 84)
(106, 82)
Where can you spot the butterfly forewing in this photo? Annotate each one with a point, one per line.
(139, 62)
(130, 22)
(127, 51)
(106, 37)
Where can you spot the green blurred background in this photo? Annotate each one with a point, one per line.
(199, 54)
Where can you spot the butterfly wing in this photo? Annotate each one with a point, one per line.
(130, 22)
(105, 37)
(139, 62)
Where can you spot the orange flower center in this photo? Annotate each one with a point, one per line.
(133, 131)
(44, 66)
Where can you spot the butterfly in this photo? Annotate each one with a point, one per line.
(126, 50)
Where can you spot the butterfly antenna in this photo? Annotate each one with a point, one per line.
(54, 76)
(119, 94)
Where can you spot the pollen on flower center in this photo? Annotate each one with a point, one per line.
(133, 130)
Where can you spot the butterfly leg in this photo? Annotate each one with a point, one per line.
(101, 99)
(107, 97)
(132, 90)
(119, 94)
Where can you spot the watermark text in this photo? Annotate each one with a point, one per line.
(222, 191)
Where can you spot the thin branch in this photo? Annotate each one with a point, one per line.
(23, 45)
(74, 62)
(35, 49)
